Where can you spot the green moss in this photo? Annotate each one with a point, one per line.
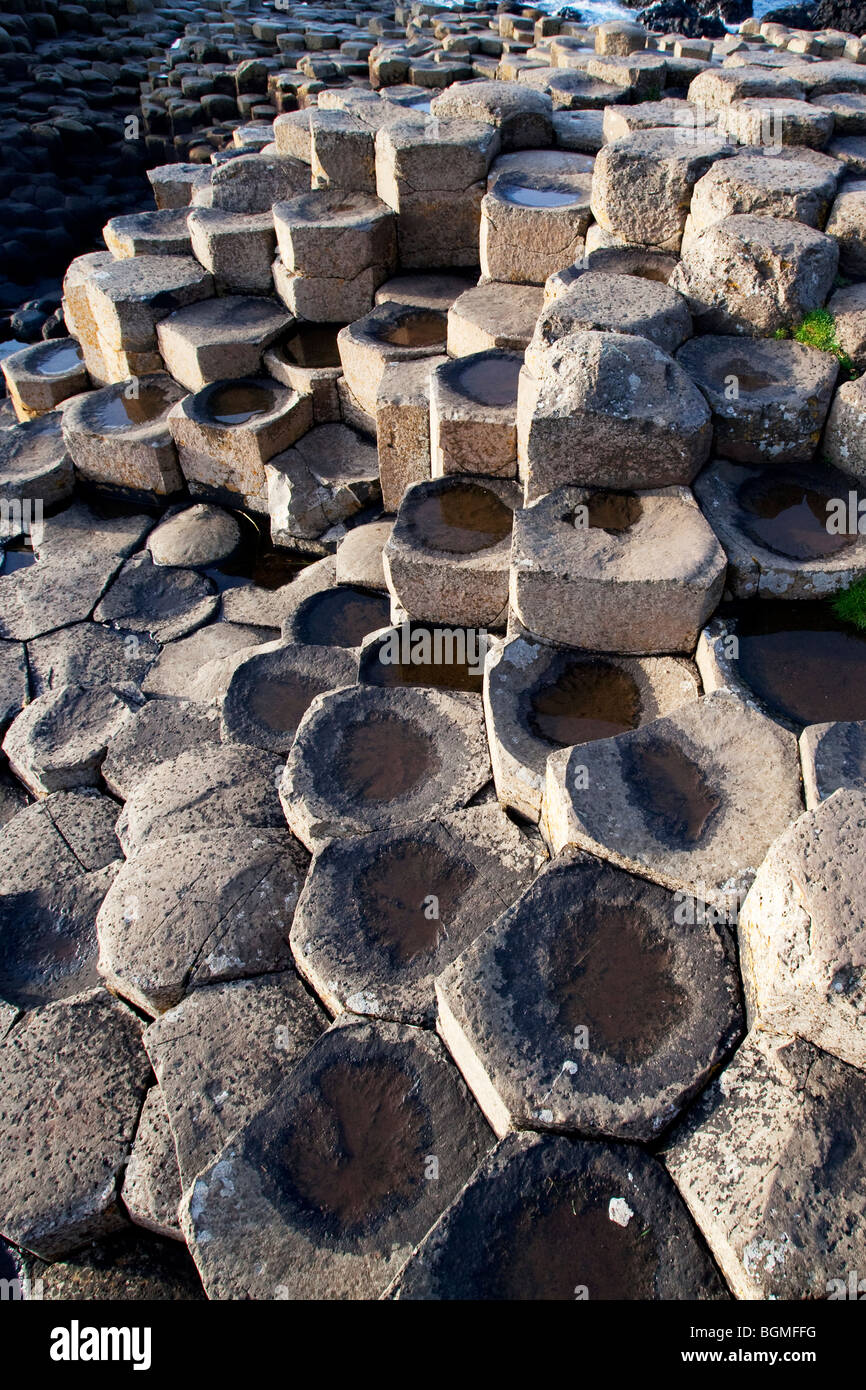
(818, 330)
(850, 604)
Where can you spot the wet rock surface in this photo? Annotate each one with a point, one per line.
(431, 551)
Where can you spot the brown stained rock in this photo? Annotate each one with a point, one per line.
(447, 557)
(609, 410)
(128, 298)
(770, 1169)
(327, 1189)
(269, 692)
(389, 333)
(119, 435)
(693, 800)
(193, 910)
(522, 116)
(596, 1004)
(769, 399)
(319, 611)
(72, 1082)
(151, 1188)
(845, 225)
(609, 302)
(547, 1218)
(627, 572)
(803, 947)
(220, 1053)
(754, 275)
(393, 756)
(538, 698)
(382, 914)
(133, 1266)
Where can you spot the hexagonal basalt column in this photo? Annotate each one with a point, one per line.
(616, 571)
(598, 1003)
(802, 930)
(34, 461)
(327, 1189)
(799, 189)
(473, 415)
(324, 479)
(538, 698)
(199, 909)
(642, 184)
(335, 251)
(769, 399)
(532, 227)
(433, 175)
(447, 556)
(770, 1167)
(493, 316)
(777, 529)
(833, 756)
(523, 117)
(604, 302)
(393, 756)
(38, 378)
(389, 333)
(236, 247)
(128, 298)
(308, 360)
(121, 435)
(755, 275)
(226, 433)
(382, 914)
(693, 800)
(269, 693)
(72, 1083)
(219, 339)
(609, 410)
(547, 1218)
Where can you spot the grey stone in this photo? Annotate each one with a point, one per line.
(270, 691)
(219, 339)
(769, 399)
(609, 302)
(692, 801)
(832, 756)
(755, 275)
(394, 756)
(72, 1082)
(191, 909)
(539, 697)
(151, 1188)
(59, 740)
(198, 667)
(642, 183)
(592, 1005)
(120, 436)
(160, 600)
(201, 789)
(87, 654)
(197, 537)
(801, 930)
(752, 1163)
(609, 410)
(220, 1054)
(380, 915)
(77, 555)
(159, 731)
(547, 1218)
(322, 1193)
(34, 462)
